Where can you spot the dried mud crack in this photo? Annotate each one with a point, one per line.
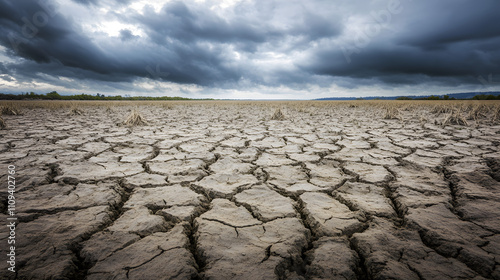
(327, 191)
(81, 263)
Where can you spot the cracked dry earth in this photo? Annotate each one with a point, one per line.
(224, 192)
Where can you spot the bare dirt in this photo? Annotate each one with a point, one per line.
(227, 192)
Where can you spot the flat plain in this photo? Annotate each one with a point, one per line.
(253, 190)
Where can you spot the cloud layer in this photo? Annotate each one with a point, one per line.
(249, 49)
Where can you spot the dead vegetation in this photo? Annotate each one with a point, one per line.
(167, 106)
(477, 112)
(278, 115)
(68, 104)
(74, 111)
(441, 109)
(455, 117)
(496, 114)
(392, 113)
(2, 123)
(135, 119)
(456, 112)
(11, 110)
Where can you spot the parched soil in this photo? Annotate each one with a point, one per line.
(229, 191)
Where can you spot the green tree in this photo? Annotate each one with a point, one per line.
(53, 95)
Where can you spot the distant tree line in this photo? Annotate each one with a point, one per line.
(486, 97)
(432, 97)
(447, 97)
(56, 96)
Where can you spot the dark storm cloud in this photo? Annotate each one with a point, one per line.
(190, 24)
(454, 60)
(86, 2)
(100, 3)
(36, 35)
(3, 69)
(453, 22)
(59, 43)
(186, 44)
(126, 35)
(450, 39)
(273, 43)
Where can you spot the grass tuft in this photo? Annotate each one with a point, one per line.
(74, 111)
(11, 110)
(167, 106)
(478, 112)
(135, 118)
(455, 118)
(441, 109)
(2, 123)
(391, 113)
(278, 115)
(496, 114)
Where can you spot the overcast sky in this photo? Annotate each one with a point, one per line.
(249, 49)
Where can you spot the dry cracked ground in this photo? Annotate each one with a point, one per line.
(224, 192)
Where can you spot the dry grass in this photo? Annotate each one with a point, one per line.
(477, 112)
(168, 106)
(65, 104)
(496, 113)
(11, 110)
(441, 109)
(392, 113)
(2, 123)
(307, 104)
(437, 112)
(278, 115)
(134, 119)
(456, 117)
(75, 111)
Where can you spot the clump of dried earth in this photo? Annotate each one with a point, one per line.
(222, 191)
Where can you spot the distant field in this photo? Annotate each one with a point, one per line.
(66, 103)
(454, 111)
(291, 104)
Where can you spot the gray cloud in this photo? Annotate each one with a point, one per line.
(291, 44)
(451, 22)
(451, 41)
(126, 35)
